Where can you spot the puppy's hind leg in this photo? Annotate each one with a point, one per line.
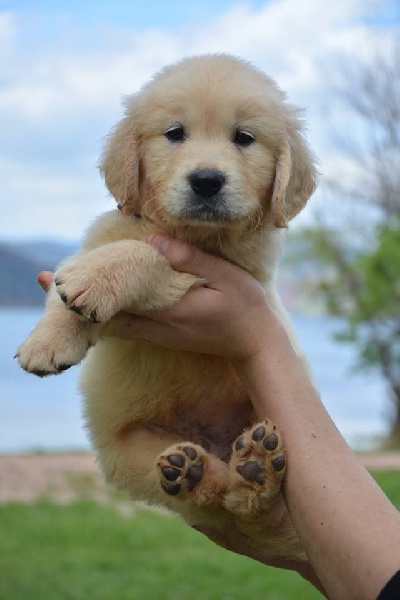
(262, 522)
(150, 465)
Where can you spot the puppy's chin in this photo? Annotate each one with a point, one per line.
(213, 212)
(206, 216)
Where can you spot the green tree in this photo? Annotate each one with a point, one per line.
(358, 242)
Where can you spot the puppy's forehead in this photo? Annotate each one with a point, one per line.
(211, 92)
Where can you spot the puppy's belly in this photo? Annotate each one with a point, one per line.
(214, 430)
(194, 397)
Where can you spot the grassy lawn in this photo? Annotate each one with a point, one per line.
(89, 551)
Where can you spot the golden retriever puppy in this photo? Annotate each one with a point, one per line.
(209, 152)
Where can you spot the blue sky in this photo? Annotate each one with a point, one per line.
(65, 66)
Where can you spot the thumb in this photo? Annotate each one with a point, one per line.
(187, 258)
(45, 279)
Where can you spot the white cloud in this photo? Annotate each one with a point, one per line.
(61, 94)
(47, 203)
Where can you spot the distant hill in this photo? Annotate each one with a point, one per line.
(19, 266)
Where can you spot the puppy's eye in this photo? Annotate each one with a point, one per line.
(175, 133)
(243, 138)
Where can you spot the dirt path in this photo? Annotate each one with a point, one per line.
(61, 477)
(64, 477)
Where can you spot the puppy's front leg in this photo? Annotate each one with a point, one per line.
(122, 275)
(60, 339)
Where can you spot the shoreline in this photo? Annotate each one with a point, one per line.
(67, 476)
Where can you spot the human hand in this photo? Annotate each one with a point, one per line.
(226, 317)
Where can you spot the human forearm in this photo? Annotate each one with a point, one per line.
(347, 526)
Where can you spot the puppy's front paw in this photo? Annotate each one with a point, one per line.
(49, 352)
(87, 291)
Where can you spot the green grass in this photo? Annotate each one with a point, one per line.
(90, 551)
(390, 483)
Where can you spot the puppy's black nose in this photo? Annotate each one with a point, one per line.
(206, 182)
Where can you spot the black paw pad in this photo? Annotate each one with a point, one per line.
(40, 373)
(278, 463)
(271, 442)
(64, 297)
(172, 490)
(170, 473)
(240, 443)
(93, 318)
(258, 434)
(176, 460)
(76, 309)
(64, 367)
(194, 475)
(251, 471)
(190, 452)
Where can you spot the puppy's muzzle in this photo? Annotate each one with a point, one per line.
(206, 183)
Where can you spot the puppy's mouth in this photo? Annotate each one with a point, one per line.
(206, 210)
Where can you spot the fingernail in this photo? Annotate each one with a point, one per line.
(160, 242)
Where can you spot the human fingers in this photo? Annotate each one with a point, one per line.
(184, 257)
(45, 279)
(128, 326)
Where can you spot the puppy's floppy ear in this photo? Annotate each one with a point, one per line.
(295, 176)
(120, 163)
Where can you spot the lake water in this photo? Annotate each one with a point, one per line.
(44, 414)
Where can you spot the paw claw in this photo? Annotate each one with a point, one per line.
(87, 291)
(40, 373)
(93, 318)
(48, 352)
(64, 367)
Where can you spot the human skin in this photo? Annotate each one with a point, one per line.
(347, 526)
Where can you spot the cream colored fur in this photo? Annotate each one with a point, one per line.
(145, 404)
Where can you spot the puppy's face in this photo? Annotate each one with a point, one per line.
(208, 160)
(209, 142)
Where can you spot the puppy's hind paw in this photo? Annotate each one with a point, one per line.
(188, 472)
(259, 455)
(257, 468)
(180, 468)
